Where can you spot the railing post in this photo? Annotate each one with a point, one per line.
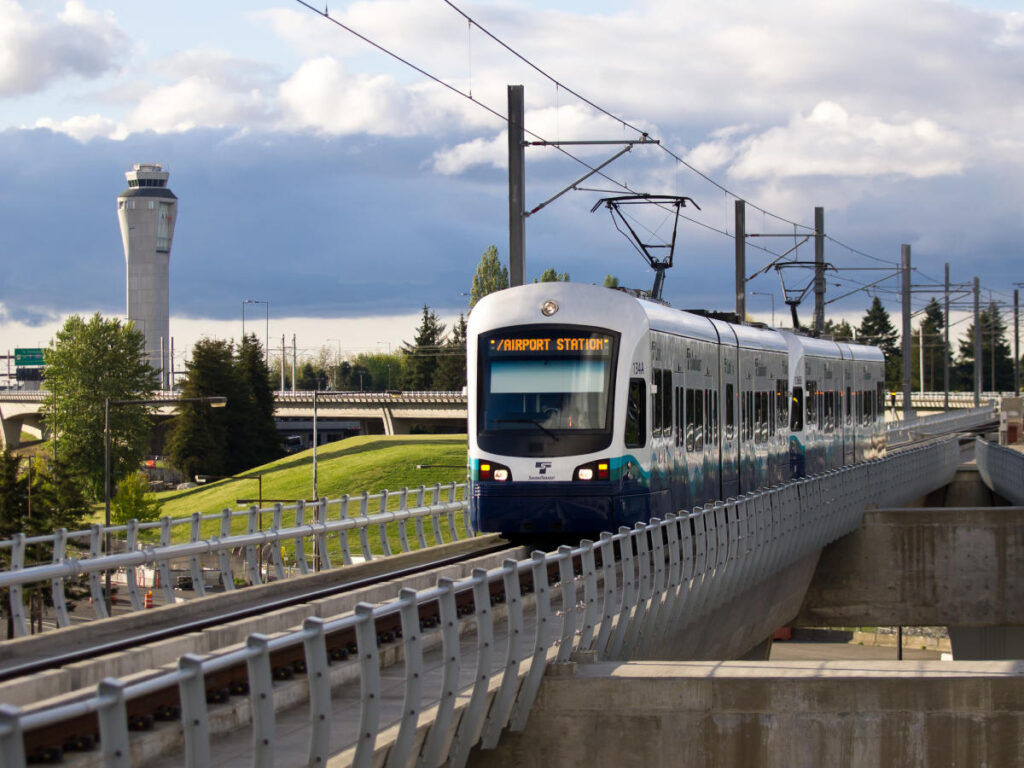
(12, 744)
(99, 601)
(318, 674)
(346, 553)
(198, 583)
(113, 717)
(165, 566)
(323, 556)
(432, 753)
(413, 652)
(498, 715)
(261, 697)
(567, 581)
(542, 599)
(60, 555)
(469, 727)
(132, 537)
(227, 576)
(275, 548)
(194, 720)
(382, 529)
(369, 685)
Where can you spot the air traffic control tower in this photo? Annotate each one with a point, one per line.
(147, 211)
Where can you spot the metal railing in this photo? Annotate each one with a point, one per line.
(901, 431)
(313, 527)
(653, 581)
(1001, 469)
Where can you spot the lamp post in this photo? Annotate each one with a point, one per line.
(772, 295)
(266, 338)
(215, 401)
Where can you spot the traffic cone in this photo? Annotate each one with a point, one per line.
(149, 599)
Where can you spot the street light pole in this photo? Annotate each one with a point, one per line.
(337, 363)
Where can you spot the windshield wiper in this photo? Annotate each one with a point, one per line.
(535, 423)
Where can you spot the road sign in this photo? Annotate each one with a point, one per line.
(28, 356)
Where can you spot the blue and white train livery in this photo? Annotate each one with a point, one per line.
(590, 408)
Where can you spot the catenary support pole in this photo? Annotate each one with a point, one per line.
(1016, 345)
(819, 271)
(741, 260)
(516, 186)
(977, 344)
(907, 339)
(945, 349)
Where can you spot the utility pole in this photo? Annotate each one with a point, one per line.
(907, 340)
(295, 360)
(1016, 346)
(977, 344)
(819, 271)
(945, 349)
(741, 260)
(516, 186)
(283, 359)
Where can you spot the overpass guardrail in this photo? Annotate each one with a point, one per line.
(617, 597)
(902, 431)
(1001, 469)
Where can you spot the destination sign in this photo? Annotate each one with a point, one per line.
(566, 343)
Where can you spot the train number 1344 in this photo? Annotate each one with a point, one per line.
(638, 368)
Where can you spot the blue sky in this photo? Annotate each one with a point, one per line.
(318, 174)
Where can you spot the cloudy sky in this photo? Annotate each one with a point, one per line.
(317, 173)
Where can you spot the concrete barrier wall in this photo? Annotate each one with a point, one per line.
(778, 714)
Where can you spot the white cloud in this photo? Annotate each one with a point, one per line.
(85, 127)
(196, 101)
(831, 141)
(35, 51)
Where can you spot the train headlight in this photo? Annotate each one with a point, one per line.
(595, 470)
(549, 307)
(491, 471)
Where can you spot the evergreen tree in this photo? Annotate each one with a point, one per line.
(198, 441)
(610, 281)
(311, 377)
(877, 330)
(933, 330)
(421, 357)
(253, 439)
(490, 276)
(551, 276)
(996, 358)
(841, 331)
(90, 362)
(451, 368)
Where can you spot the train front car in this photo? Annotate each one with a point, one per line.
(549, 369)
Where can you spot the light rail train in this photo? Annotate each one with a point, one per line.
(590, 409)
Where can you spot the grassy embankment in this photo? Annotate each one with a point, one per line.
(366, 463)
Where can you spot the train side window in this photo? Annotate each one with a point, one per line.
(636, 406)
(698, 420)
(666, 401)
(796, 412)
(708, 419)
(690, 412)
(680, 427)
(812, 403)
(656, 399)
(730, 413)
(714, 416)
(849, 407)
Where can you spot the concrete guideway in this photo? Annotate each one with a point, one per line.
(653, 601)
(772, 715)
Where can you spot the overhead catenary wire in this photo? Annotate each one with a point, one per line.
(471, 22)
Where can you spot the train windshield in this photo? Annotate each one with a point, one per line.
(546, 390)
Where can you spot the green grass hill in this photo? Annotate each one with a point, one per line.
(365, 463)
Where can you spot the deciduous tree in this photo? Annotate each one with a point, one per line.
(490, 276)
(91, 361)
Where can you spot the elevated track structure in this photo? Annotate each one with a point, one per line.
(712, 582)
